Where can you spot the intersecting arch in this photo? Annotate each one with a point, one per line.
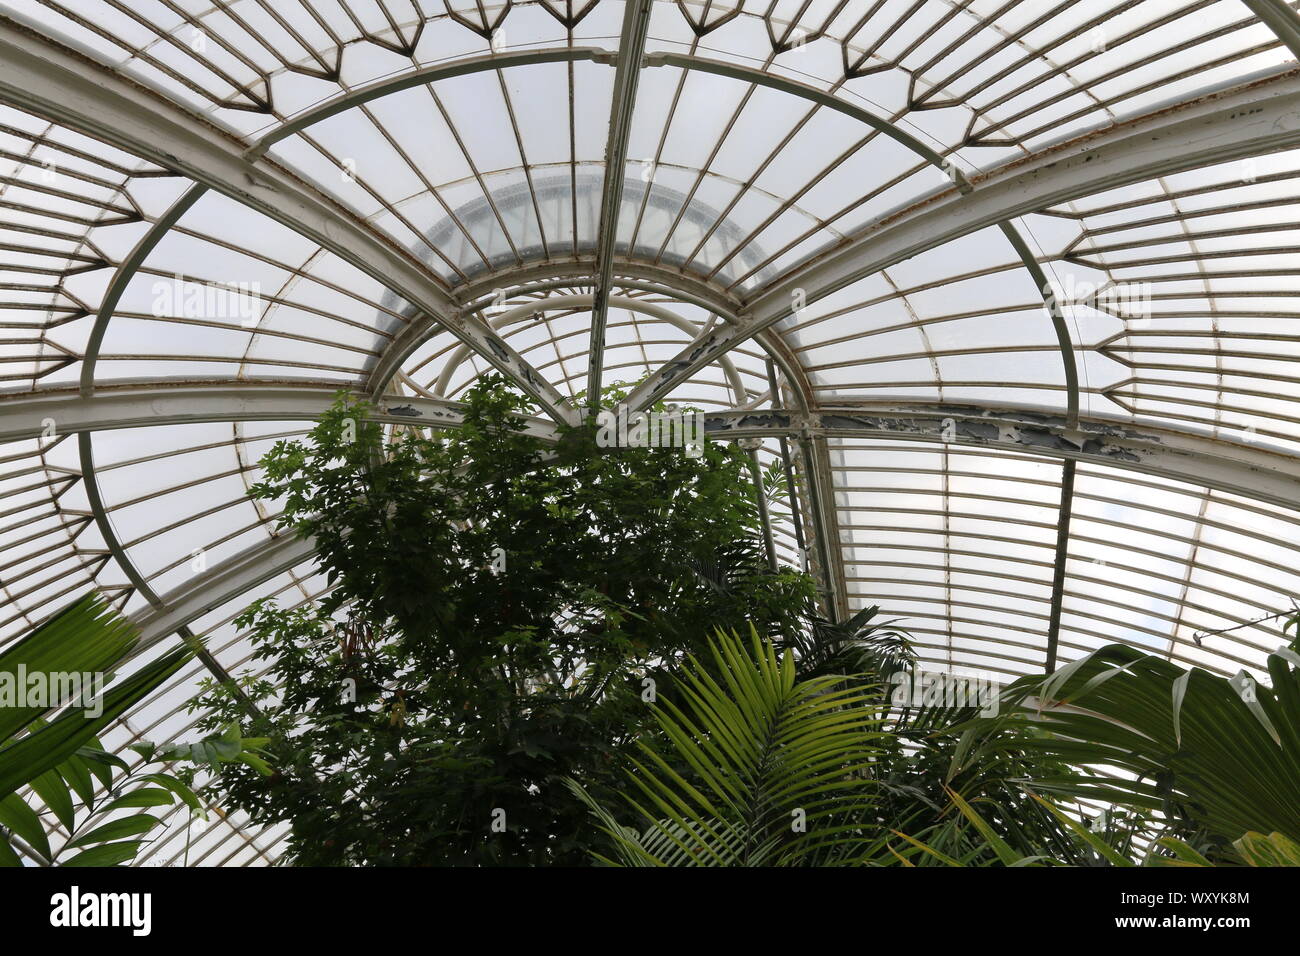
(990, 524)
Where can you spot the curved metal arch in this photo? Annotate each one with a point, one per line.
(1249, 119)
(1168, 453)
(683, 287)
(1253, 4)
(705, 349)
(122, 276)
(250, 568)
(50, 80)
(86, 455)
(586, 187)
(643, 275)
(421, 76)
(71, 412)
(1281, 18)
(129, 267)
(509, 268)
(527, 310)
(35, 414)
(516, 280)
(463, 67)
(1113, 442)
(167, 718)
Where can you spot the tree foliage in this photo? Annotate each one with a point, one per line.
(502, 611)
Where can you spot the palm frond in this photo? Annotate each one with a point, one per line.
(86, 637)
(1215, 754)
(753, 767)
(858, 644)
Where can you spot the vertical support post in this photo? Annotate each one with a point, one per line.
(751, 447)
(631, 48)
(1062, 555)
(824, 534)
(795, 517)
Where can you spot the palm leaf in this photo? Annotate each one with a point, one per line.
(1219, 755)
(87, 636)
(41, 751)
(752, 766)
(1272, 850)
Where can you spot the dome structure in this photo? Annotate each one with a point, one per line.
(1011, 287)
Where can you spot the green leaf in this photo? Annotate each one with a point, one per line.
(87, 636)
(101, 763)
(1005, 853)
(257, 763)
(1272, 850)
(1183, 854)
(106, 854)
(925, 848)
(1180, 693)
(169, 782)
(38, 752)
(116, 829)
(52, 789)
(76, 772)
(1225, 754)
(145, 749)
(8, 857)
(1104, 849)
(143, 797)
(772, 766)
(24, 821)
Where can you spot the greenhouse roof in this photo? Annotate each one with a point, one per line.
(1024, 276)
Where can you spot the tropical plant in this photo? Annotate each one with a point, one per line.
(88, 790)
(1087, 840)
(1182, 762)
(1254, 849)
(61, 758)
(86, 637)
(946, 742)
(756, 767)
(97, 831)
(900, 780)
(939, 758)
(1216, 757)
(1275, 849)
(500, 608)
(859, 644)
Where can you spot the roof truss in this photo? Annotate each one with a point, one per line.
(1258, 118)
(53, 82)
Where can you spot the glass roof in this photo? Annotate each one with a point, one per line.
(1025, 275)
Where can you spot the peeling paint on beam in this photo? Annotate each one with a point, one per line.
(1198, 460)
(34, 414)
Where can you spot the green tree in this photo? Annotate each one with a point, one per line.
(503, 610)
